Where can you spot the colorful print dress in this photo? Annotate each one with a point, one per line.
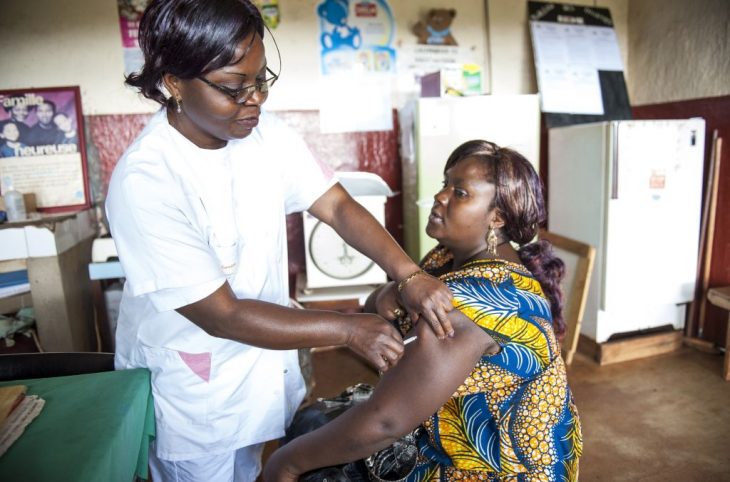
(513, 418)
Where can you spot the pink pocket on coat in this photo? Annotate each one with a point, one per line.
(199, 363)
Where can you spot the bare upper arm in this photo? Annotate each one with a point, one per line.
(325, 206)
(423, 381)
(428, 374)
(212, 312)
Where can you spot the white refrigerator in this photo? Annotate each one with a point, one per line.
(632, 189)
(433, 127)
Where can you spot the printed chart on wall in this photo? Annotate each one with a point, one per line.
(578, 62)
(42, 148)
(357, 65)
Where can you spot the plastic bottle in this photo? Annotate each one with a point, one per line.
(14, 205)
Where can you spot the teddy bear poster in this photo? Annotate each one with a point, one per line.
(435, 28)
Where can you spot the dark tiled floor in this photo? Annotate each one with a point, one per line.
(664, 418)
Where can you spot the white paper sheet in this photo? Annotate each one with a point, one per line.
(356, 103)
(568, 58)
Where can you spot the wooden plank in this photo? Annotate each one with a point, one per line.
(568, 244)
(61, 299)
(704, 281)
(721, 297)
(589, 347)
(726, 365)
(577, 307)
(11, 304)
(641, 346)
(104, 337)
(10, 265)
(701, 345)
(698, 295)
(577, 294)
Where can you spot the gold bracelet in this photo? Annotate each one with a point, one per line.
(402, 283)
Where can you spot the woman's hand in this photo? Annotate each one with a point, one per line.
(376, 340)
(427, 297)
(278, 469)
(386, 302)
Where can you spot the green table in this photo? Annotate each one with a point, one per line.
(94, 427)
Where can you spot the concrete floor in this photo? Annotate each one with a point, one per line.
(665, 418)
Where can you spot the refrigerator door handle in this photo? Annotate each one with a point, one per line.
(614, 163)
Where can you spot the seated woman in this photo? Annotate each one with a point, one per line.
(493, 399)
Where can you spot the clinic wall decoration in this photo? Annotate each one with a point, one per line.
(357, 63)
(435, 29)
(270, 12)
(356, 36)
(130, 13)
(42, 149)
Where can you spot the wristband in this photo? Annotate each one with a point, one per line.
(402, 283)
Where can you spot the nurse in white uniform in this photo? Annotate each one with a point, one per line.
(197, 208)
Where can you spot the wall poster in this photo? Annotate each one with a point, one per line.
(356, 36)
(357, 65)
(577, 60)
(42, 149)
(130, 12)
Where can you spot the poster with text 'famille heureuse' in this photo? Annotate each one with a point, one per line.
(42, 148)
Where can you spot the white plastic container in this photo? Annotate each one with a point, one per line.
(14, 205)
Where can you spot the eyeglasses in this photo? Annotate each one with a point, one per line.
(242, 95)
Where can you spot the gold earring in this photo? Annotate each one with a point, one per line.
(492, 241)
(178, 102)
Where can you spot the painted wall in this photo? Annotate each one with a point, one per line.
(77, 42)
(679, 50)
(47, 43)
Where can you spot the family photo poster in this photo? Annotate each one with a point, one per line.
(42, 149)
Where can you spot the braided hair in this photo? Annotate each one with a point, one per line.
(520, 200)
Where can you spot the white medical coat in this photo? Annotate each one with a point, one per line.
(184, 221)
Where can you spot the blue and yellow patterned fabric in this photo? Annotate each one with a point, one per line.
(513, 418)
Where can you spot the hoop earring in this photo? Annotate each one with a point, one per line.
(178, 103)
(492, 241)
